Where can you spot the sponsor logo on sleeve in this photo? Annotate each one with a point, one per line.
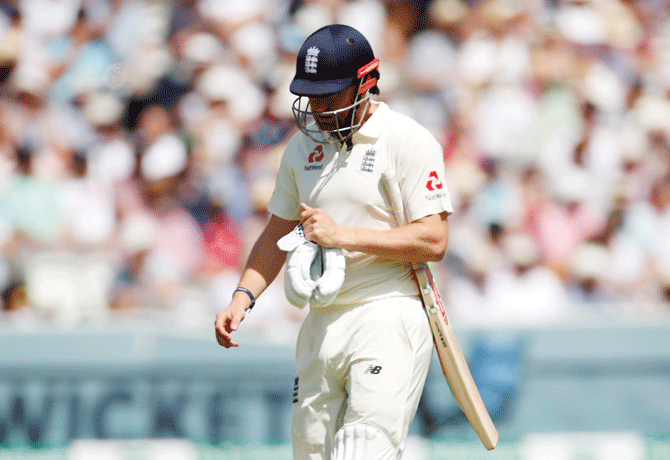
(434, 184)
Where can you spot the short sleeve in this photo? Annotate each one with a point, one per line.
(420, 171)
(285, 201)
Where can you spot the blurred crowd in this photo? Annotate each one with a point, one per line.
(139, 142)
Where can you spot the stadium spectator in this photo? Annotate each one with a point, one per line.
(139, 140)
(527, 293)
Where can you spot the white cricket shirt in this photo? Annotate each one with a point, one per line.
(347, 184)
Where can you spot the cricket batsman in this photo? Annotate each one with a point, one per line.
(364, 349)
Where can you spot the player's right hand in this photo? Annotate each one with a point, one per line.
(227, 321)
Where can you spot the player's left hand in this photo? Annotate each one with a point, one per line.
(319, 227)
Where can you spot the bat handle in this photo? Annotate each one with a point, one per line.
(395, 196)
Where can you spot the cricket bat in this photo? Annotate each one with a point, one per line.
(449, 353)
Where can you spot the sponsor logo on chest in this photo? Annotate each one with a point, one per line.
(314, 159)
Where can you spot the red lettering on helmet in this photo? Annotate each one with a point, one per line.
(367, 68)
(367, 85)
(316, 155)
(434, 181)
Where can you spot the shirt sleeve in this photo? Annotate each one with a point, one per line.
(420, 171)
(285, 201)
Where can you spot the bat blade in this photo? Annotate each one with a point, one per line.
(454, 366)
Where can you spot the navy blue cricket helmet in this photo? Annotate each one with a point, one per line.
(332, 59)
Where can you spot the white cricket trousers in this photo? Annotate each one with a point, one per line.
(359, 365)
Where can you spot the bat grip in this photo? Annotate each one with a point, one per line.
(395, 196)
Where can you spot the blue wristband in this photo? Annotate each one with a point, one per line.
(247, 292)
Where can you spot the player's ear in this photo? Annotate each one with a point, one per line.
(374, 74)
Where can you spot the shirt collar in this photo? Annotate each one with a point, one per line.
(372, 128)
